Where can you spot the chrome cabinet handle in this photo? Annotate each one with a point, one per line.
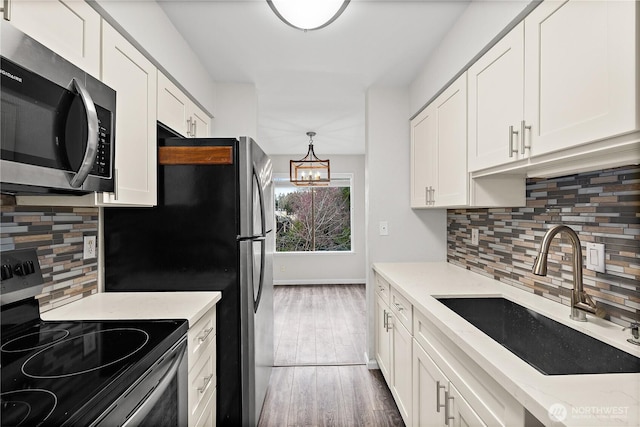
(447, 410)
(206, 334)
(523, 146)
(511, 133)
(92, 134)
(438, 404)
(433, 196)
(205, 383)
(429, 193)
(384, 320)
(398, 306)
(195, 128)
(189, 127)
(389, 325)
(6, 10)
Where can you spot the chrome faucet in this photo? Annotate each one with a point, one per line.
(581, 302)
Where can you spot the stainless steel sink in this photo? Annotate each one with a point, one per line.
(549, 346)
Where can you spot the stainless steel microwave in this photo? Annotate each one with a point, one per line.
(58, 122)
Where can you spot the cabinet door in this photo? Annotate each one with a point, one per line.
(581, 74)
(452, 184)
(71, 28)
(173, 105)
(134, 78)
(401, 369)
(201, 122)
(382, 344)
(429, 386)
(424, 151)
(496, 91)
(460, 413)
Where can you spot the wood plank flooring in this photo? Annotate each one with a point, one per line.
(320, 378)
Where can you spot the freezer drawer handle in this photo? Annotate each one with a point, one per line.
(206, 334)
(206, 381)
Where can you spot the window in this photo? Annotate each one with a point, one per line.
(313, 219)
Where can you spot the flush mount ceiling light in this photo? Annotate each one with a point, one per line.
(308, 15)
(310, 171)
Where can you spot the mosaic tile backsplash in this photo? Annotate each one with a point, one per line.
(602, 207)
(57, 234)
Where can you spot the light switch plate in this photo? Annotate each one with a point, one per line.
(475, 236)
(595, 257)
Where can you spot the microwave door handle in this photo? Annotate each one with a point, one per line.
(92, 134)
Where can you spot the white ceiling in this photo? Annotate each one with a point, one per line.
(313, 80)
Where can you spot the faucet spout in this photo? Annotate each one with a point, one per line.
(581, 302)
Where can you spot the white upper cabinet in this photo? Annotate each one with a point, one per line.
(424, 150)
(439, 150)
(134, 78)
(71, 28)
(496, 103)
(560, 87)
(580, 72)
(178, 112)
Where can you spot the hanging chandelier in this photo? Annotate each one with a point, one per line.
(308, 15)
(310, 171)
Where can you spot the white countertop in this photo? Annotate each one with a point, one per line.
(138, 306)
(590, 400)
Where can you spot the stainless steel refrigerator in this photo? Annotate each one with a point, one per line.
(211, 231)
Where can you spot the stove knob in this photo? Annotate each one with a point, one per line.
(29, 268)
(19, 269)
(6, 272)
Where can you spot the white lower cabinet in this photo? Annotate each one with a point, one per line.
(383, 337)
(436, 401)
(401, 378)
(202, 371)
(393, 345)
(433, 382)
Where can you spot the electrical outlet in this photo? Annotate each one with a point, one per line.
(475, 236)
(89, 247)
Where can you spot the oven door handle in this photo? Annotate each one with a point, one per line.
(92, 134)
(143, 410)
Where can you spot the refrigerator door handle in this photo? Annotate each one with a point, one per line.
(256, 302)
(257, 237)
(262, 236)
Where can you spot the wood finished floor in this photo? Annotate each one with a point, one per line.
(320, 378)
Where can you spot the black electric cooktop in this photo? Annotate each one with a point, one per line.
(67, 373)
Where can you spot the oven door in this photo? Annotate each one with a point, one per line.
(158, 399)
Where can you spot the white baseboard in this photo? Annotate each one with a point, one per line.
(371, 363)
(321, 282)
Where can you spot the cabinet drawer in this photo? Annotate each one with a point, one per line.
(202, 381)
(382, 288)
(402, 309)
(200, 335)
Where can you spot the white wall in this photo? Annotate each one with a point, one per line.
(480, 23)
(414, 235)
(160, 39)
(237, 111)
(328, 268)
(417, 235)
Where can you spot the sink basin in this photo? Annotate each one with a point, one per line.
(550, 347)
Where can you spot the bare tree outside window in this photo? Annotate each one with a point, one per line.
(313, 219)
